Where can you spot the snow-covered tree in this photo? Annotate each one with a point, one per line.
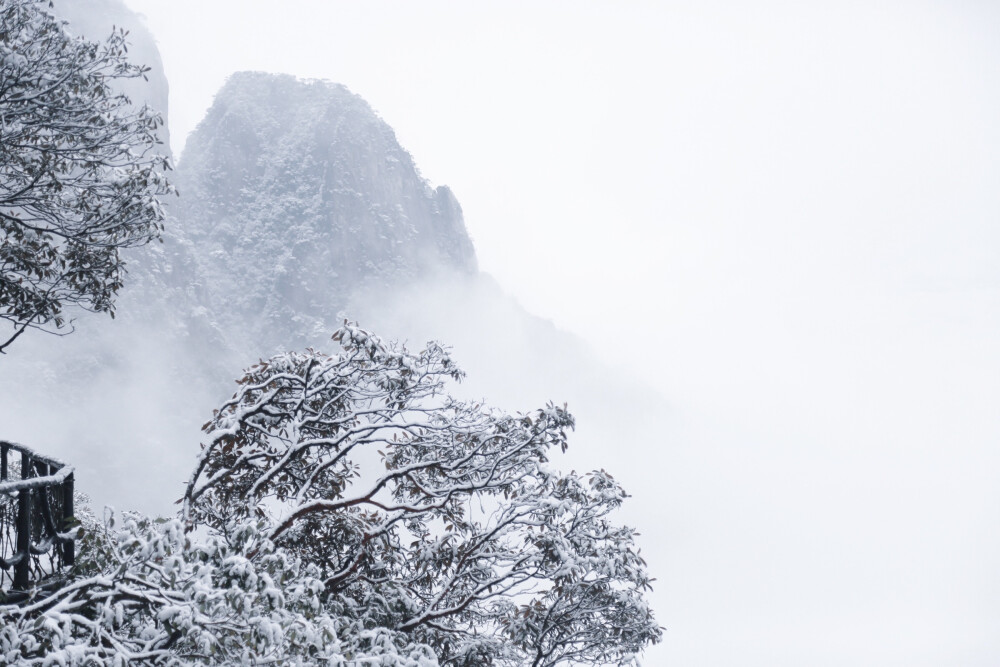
(346, 510)
(80, 175)
(427, 515)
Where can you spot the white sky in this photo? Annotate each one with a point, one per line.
(784, 215)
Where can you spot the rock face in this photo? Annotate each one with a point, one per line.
(294, 195)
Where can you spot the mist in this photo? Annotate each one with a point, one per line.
(754, 249)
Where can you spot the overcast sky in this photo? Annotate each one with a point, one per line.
(784, 215)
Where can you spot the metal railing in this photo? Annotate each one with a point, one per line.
(36, 518)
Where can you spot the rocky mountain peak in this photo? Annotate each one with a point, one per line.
(295, 194)
(269, 139)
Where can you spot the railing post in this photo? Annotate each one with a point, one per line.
(3, 460)
(69, 552)
(23, 567)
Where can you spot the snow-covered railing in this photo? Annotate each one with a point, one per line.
(36, 515)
